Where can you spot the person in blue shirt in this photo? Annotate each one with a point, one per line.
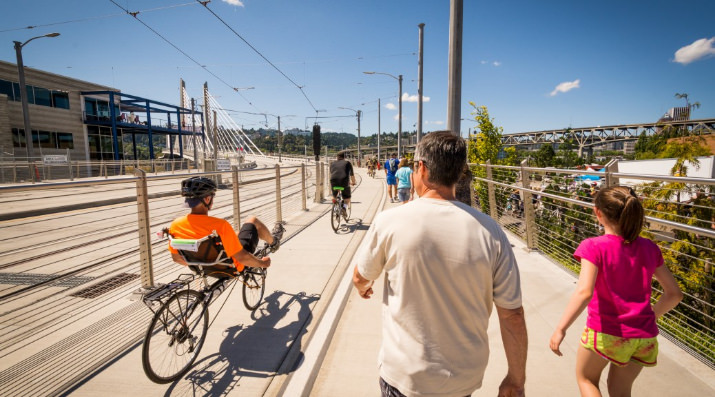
(405, 188)
(391, 166)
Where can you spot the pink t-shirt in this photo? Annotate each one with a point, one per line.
(621, 299)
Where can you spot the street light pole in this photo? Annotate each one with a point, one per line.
(280, 138)
(357, 113)
(23, 93)
(399, 123)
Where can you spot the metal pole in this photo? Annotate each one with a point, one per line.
(236, 201)
(531, 241)
(213, 140)
(491, 192)
(303, 192)
(23, 100)
(317, 182)
(280, 138)
(399, 123)
(279, 212)
(419, 81)
(145, 259)
(454, 91)
(359, 155)
(193, 130)
(378, 130)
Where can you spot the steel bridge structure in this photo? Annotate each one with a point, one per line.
(594, 136)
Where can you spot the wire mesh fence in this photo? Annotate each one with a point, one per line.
(680, 218)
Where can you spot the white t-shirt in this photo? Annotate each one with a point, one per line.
(446, 265)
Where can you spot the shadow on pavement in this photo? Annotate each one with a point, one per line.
(254, 350)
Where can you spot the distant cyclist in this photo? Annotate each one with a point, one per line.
(199, 193)
(342, 175)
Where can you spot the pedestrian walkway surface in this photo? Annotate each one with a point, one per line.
(315, 336)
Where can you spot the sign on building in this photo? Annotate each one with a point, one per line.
(55, 159)
(223, 165)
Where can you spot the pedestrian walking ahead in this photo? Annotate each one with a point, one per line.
(391, 167)
(442, 279)
(615, 282)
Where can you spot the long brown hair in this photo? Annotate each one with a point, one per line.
(621, 206)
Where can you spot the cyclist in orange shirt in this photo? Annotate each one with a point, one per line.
(199, 193)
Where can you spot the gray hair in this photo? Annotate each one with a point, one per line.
(444, 154)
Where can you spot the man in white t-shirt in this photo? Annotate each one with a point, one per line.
(441, 280)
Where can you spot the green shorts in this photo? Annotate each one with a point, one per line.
(619, 350)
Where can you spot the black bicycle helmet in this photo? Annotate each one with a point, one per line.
(197, 187)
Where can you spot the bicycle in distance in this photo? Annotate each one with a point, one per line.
(177, 330)
(339, 210)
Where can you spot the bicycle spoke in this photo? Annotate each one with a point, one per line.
(175, 337)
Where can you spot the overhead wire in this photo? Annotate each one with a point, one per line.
(96, 17)
(134, 14)
(205, 4)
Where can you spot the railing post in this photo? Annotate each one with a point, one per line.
(531, 243)
(236, 202)
(707, 307)
(491, 192)
(611, 167)
(145, 260)
(279, 214)
(303, 192)
(326, 181)
(317, 182)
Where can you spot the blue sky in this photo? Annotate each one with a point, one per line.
(536, 65)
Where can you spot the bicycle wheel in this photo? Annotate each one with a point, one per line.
(335, 217)
(254, 285)
(175, 337)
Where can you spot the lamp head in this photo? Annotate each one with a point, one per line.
(369, 72)
(52, 34)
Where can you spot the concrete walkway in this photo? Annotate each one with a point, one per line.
(314, 336)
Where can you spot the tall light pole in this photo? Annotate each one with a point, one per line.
(419, 81)
(280, 134)
(399, 123)
(357, 113)
(23, 92)
(454, 89)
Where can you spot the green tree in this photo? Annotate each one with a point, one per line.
(485, 143)
(544, 157)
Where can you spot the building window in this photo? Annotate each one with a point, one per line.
(36, 95)
(42, 96)
(6, 88)
(65, 140)
(60, 100)
(18, 137)
(44, 139)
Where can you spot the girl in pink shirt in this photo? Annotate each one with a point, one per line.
(615, 282)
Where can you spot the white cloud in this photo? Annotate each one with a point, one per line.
(413, 98)
(697, 50)
(496, 63)
(483, 62)
(238, 3)
(438, 122)
(396, 117)
(390, 106)
(566, 86)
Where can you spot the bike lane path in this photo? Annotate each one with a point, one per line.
(253, 353)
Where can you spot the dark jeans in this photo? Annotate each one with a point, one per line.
(389, 390)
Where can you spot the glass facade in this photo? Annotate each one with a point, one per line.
(36, 95)
(44, 139)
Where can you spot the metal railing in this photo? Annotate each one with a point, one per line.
(551, 210)
(73, 251)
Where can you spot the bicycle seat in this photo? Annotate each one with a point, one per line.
(204, 255)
